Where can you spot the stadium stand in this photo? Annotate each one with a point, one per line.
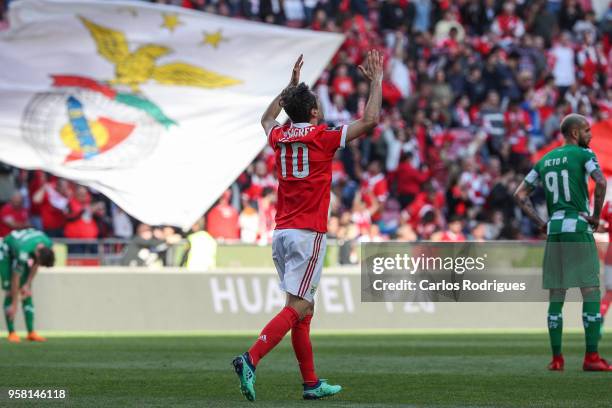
(472, 89)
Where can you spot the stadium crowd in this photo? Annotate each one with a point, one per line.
(472, 89)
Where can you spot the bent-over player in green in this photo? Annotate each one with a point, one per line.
(570, 258)
(21, 253)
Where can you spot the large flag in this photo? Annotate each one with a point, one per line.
(157, 107)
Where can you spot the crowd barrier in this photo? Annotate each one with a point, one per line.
(116, 299)
(112, 251)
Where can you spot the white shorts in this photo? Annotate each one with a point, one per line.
(298, 255)
(608, 277)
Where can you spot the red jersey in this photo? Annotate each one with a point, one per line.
(304, 154)
(8, 213)
(606, 215)
(81, 224)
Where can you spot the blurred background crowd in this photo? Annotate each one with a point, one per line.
(473, 89)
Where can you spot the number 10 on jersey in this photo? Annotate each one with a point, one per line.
(298, 149)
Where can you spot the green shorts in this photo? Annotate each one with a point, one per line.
(5, 267)
(570, 261)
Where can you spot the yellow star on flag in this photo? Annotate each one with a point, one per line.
(213, 38)
(171, 21)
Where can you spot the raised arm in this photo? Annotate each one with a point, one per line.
(521, 196)
(374, 73)
(268, 119)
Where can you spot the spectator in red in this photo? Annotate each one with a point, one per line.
(518, 124)
(427, 200)
(545, 98)
(260, 179)
(343, 83)
(80, 223)
(319, 20)
(508, 25)
(473, 182)
(222, 220)
(37, 179)
(592, 61)
(13, 215)
(53, 200)
(374, 186)
(453, 232)
(409, 180)
(391, 94)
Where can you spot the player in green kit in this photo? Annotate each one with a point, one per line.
(21, 253)
(571, 258)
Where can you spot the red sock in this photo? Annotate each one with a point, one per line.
(273, 333)
(300, 339)
(605, 302)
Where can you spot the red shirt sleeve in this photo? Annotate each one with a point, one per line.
(274, 135)
(333, 138)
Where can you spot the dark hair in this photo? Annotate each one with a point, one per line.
(406, 156)
(45, 256)
(298, 101)
(266, 191)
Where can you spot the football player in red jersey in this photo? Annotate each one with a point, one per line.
(606, 215)
(304, 150)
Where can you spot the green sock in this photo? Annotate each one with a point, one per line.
(591, 319)
(28, 312)
(555, 326)
(10, 324)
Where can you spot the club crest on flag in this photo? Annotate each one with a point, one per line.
(155, 106)
(92, 123)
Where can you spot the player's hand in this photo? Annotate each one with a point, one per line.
(297, 67)
(26, 291)
(373, 71)
(11, 310)
(594, 221)
(543, 228)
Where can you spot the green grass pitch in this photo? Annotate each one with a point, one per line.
(376, 370)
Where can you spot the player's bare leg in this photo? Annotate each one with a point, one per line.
(555, 328)
(591, 318)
